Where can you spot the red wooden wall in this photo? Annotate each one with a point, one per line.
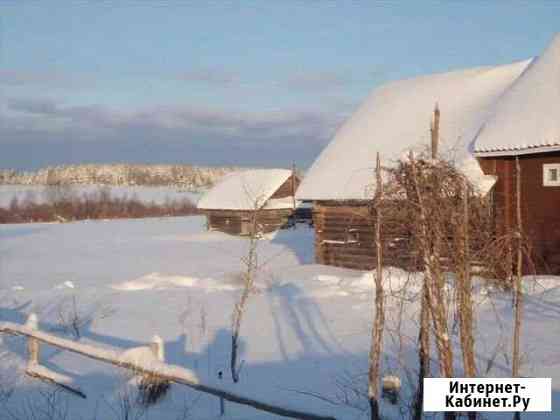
(540, 204)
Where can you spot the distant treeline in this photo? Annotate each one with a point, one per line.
(63, 205)
(186, 176)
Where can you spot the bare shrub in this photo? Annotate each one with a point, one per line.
(126, 405)
(152, 389)
(44, 404)
(71, 318)
(448, 229)
(62, 205)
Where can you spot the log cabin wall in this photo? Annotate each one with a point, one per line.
(237, 222)
(540, 204)
(345, 237)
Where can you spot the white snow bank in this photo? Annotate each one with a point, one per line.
(160, 281)
(245, 190)
(67, 284)
(393, 279)
(324, 278)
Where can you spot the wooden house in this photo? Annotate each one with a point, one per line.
(523, 131)
(268, 194)
(499, 103)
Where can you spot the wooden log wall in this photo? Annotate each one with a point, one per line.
(236, 222)
(345, 237)
(540, 205)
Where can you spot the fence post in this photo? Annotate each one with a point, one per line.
(222, 402)
(158, 348)
(32, 343)
(151, 387)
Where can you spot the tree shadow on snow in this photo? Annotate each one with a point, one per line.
(292, 310)
(19, 231)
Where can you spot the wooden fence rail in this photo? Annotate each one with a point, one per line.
(156, 368)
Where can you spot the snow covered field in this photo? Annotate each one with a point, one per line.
(306, 330)
(147, 194)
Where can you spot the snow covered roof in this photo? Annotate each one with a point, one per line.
(396, 118)
(526, 119)
(246, 190)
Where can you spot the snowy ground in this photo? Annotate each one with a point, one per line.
(306, 329)
(147, 194)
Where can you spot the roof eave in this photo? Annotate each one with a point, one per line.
(517, 152)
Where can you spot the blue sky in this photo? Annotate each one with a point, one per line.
(220, 82)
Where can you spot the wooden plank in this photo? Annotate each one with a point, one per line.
(158, 369)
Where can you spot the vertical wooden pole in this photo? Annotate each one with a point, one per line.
(465, 292)
(32, 343)
(222, 402)
(294, 185)
(465, 310)
(424, 333)
(158, 348)
(379, 312)
(518, 298)
(378, 218)
(434, 131)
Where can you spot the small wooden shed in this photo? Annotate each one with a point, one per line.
(507, 103)
(233, 202)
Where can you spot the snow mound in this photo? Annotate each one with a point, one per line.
(344, 285)
(323, 278)
(67, 284)
(158, 281)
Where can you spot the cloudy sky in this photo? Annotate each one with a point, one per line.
(220, 82)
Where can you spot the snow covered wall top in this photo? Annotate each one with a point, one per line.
(526, 119)
(396, 117)
(246, 190)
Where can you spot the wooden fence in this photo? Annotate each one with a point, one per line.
(155, 368)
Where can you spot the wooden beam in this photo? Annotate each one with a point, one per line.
(171, 373)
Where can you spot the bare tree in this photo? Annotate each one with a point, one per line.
(250, 263)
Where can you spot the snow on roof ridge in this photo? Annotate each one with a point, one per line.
(395, 118)
(244, 190)
(525, 119)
